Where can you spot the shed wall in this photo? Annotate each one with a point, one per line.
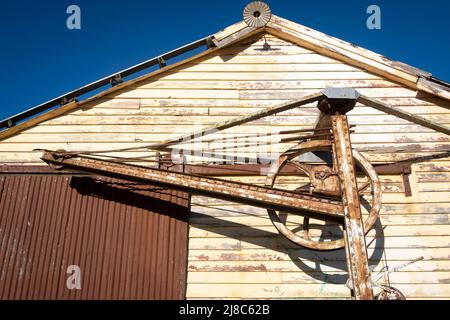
(234, 252)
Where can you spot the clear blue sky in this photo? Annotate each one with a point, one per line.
(41, 59)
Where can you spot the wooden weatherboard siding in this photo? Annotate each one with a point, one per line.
(234, 251)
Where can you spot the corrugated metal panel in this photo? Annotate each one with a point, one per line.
(129, 239)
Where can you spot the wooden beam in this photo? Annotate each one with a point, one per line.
(241, 120)
(433, 88)
(228, 31)
(403, 114)
(241, 34)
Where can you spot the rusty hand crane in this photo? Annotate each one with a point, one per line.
(334, 194)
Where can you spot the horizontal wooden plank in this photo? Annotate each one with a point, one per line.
(177, 93)
(394, 101)
(391, 196)
(266, 67)
(199, 120)
(258, 49)
(411, 137)
(433, 177)
(114, 103)
(76, 146)
(222, 57)
(301, 278)
(415, 109)
(238, 277)
(258, 85)
(184, 129)
(234, 291)
(422, 197)
(390, 220)
(304, 111)
(432, 167)
(119, 128)
(374, 154)
(91, 137)
(239, 111)
(244, 145)
(289, 266)
(137, 120)
(24, 158)
(236, 210)
(297, 94)
(435, 195)
(402, 154)
(315, 231)
(399, 254)
(144, 112)
(306, 75)
(387, 242)
(277, 242)
(434, 187)
(191, 85)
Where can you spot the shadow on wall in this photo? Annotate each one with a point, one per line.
(136, 194)
(162, 201)
(334, 259)
(311, 262)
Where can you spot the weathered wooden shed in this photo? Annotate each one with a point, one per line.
(138, 241)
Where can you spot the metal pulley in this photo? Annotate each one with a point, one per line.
(257, 14)
(324, 181)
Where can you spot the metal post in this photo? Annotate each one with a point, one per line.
(358, 265)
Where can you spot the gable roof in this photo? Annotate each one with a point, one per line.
(321, 43)
(332, 47)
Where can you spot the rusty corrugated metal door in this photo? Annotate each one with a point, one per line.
(128, 239)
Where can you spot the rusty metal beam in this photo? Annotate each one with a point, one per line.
(317, 207)
(403, 114)
(358, 266)
(223, 170)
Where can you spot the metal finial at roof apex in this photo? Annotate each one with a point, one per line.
(257, 14)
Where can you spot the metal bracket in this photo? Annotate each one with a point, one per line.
(406, 183)
(402, 168)
(165, 161)
(210, 43)
(338, 100)
(162, 63)
(116, 80)
(65, 101)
